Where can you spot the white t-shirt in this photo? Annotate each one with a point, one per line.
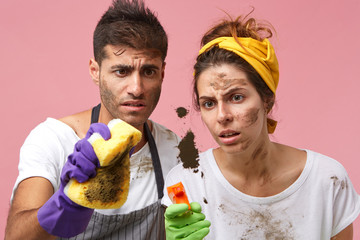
(47, 147)
(318, 205)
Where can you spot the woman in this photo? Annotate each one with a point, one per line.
(250, 187)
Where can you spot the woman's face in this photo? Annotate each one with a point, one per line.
(231, 108)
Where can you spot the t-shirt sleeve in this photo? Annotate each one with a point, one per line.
(346, 202)
(40, 157)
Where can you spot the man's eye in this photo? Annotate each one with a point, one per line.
(121, 72)
(149, 72)
(237, 98)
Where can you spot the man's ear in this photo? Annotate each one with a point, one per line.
(94, 71)
(163, 71)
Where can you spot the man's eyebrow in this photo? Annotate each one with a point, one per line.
(151, 66)
(130, 67)
(122, 66)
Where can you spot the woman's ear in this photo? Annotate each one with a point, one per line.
(94, 71)
(269, 103)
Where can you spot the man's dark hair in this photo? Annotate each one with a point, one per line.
(131, 24)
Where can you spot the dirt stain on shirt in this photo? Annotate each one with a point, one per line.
(261, 223)
(342, 183)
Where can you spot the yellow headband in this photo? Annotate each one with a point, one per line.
(260, 55)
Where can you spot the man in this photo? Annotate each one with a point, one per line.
(130, 47)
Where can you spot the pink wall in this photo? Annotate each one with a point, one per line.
(45, 48)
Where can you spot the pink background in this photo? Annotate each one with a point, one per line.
(45, 47)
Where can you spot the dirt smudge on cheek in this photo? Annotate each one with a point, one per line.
(106, 94)
(245, 143)
(189, 154)
(250, 117)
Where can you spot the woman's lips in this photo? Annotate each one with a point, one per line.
(228, 136)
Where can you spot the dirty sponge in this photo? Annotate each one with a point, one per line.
(110, 187)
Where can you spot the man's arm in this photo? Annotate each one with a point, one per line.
(22, 222)
(346, 234)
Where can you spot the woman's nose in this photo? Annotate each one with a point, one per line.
(224, 114)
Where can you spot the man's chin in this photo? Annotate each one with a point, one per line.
(135, 122)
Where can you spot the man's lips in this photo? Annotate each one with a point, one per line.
(133, 104)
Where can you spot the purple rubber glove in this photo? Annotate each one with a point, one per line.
(60, 216)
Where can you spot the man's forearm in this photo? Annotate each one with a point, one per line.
(25, 225)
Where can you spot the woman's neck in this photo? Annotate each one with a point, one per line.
(263, 170)
(253, 163)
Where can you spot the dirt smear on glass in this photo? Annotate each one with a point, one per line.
(182, 112)
(189, 154)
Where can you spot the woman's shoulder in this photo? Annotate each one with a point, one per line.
(309, 157)
(326, 164)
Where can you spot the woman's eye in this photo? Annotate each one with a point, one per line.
(237, 98)
(208, 104)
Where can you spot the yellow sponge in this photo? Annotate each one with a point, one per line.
(110, 187)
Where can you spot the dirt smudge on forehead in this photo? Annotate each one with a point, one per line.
(221, 85)
(222, 82)
(189, 154)
(182, 112)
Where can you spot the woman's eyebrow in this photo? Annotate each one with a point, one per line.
(205, 98)
(234, 89)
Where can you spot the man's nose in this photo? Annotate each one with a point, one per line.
(135, 85)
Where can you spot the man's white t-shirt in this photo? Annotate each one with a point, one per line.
(47, 147)
(318, 205)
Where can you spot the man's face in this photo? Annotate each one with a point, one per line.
(130, 83)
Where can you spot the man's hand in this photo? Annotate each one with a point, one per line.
(60, 216)
(182, 223)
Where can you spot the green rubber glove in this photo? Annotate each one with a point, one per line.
(182, 223)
